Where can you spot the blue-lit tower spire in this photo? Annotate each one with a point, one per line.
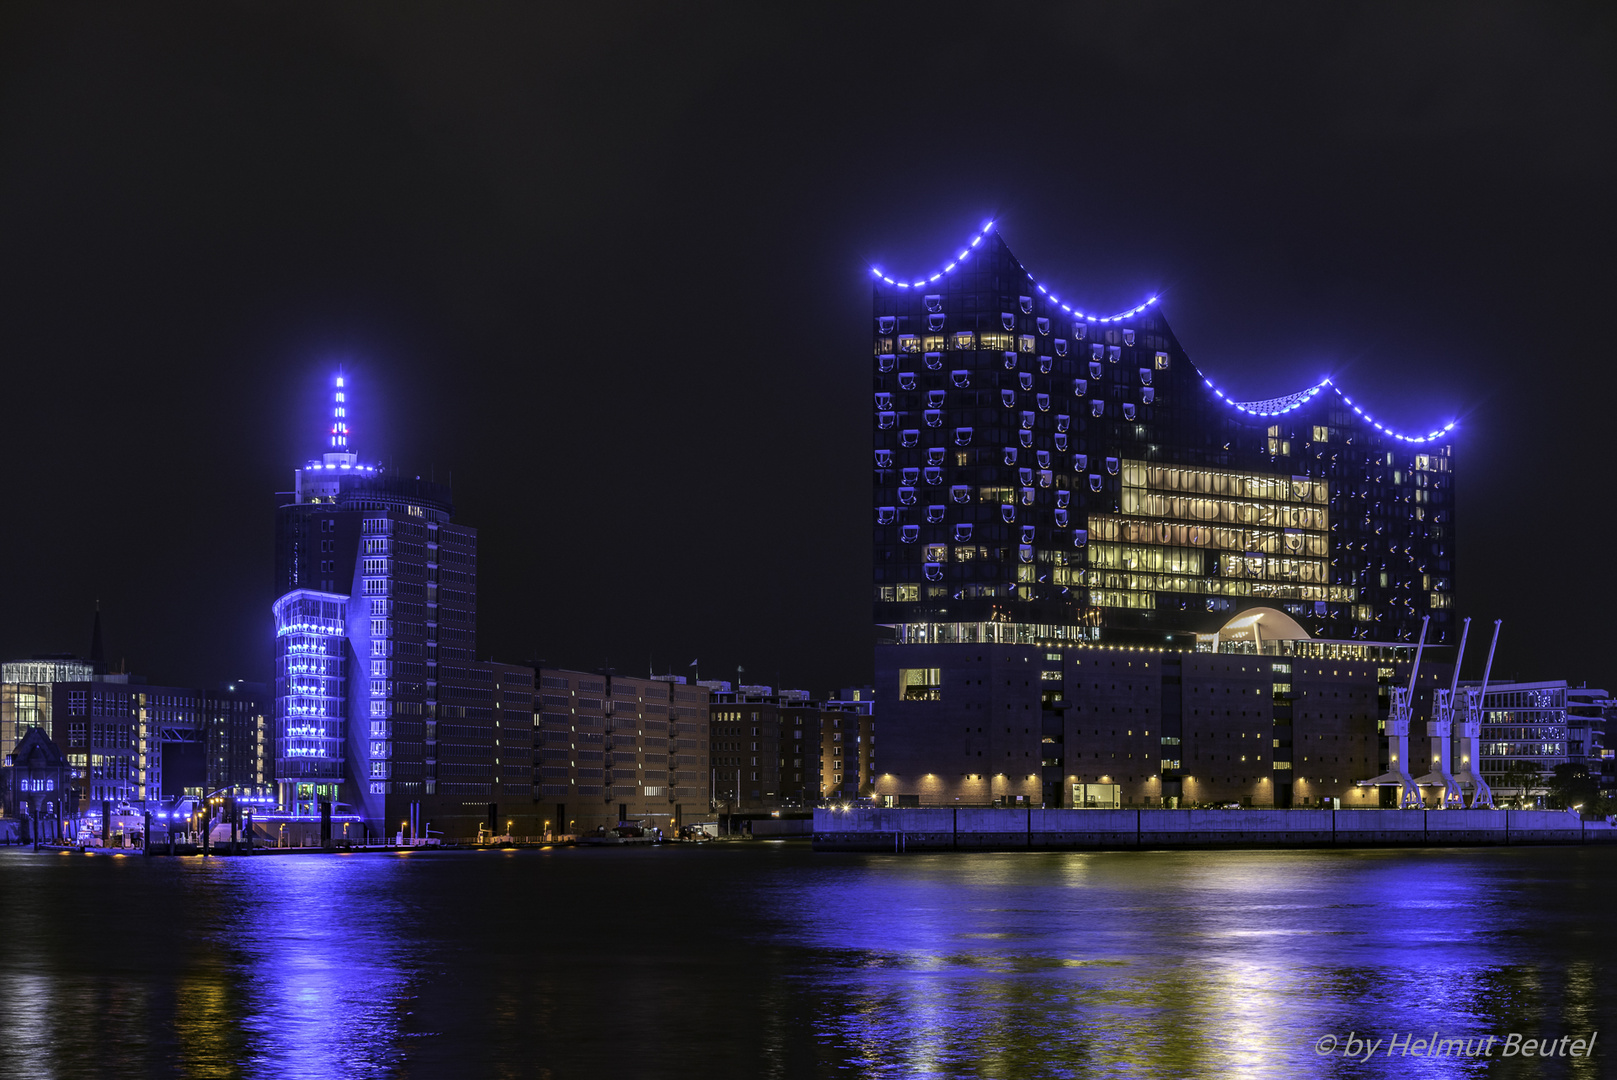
(339, 453)
(339, 417)
(322, 480)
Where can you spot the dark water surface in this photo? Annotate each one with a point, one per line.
(766, 959)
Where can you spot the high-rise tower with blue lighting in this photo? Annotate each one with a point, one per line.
(377, 585)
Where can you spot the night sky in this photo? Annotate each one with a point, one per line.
(607, 266)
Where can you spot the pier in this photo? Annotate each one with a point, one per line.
(995, 829)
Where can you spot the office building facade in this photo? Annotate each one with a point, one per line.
(1590, 713)
(1530, 728)
(847, 749)
(238, 740)
(783, 751)
(134, 744)
(614, 748)
(27, 694)
(764, 748)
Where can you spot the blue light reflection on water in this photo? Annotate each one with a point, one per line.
(328, 964)
(770, 960)
(1212, 963)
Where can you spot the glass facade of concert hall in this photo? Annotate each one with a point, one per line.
(1044, 472)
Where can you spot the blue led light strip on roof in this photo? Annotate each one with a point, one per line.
(965, 253)
(1281, 405)
(1268, 407)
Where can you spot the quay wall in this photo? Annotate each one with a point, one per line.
(994, 829)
